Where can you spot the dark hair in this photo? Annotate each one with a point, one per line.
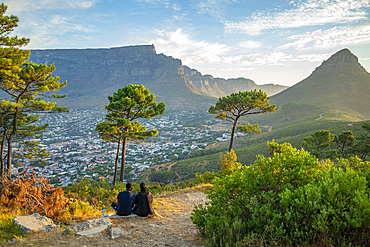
(143, 187)
(129, 186)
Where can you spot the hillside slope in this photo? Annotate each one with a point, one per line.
(339, 83)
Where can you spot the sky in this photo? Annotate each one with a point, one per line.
(269, 41)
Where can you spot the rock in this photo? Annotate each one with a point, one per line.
(92, 231)
(34, 222)
(119, 216)
(343, 60)
(89, 225)
(116, 232)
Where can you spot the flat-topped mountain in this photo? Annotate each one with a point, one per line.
(94, 74)
(339, 83)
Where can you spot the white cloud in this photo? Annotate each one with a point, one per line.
(330, 38)
(250, 44)
(17, 6)
(274, 58)
(215, 8)
(309, 13)
(47, 33)
(180, 45)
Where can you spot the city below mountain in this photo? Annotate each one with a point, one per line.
(94, 74)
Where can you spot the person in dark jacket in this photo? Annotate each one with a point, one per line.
(143, 201)
(125, 201)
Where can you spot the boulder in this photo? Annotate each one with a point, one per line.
(116, 232)
(93, 223)
(93, 231)
(34, 222)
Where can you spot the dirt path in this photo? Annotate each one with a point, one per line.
(174, 229)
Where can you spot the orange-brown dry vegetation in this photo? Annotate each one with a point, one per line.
(32, 194)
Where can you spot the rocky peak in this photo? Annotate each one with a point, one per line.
(343, 61)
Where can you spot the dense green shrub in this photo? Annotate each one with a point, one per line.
(233, 238)
(293, 197)
(334, 211)
(205, 178)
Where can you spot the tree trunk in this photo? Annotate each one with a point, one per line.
(2, 169)
(232, 134)
(10, 142)
(116, 163)
(122, 174)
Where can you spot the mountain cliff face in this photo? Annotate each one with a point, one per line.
(218, 87)
(94, 74)
(343, 62)
(339, 83)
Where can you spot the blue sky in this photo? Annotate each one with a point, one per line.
(269, 41)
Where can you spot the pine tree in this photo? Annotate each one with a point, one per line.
(320, 144)
(23, 82)
(236, 105)
(125, 106)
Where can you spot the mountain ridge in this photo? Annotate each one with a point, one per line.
(218, 87)
(339, 83)
(93, 74)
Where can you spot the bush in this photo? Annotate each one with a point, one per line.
(7, 229)
(233, 238)
(293, 198)
(205, 178)
(82, 210)
(32, 194)
(334, 211)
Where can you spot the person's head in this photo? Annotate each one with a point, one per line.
(129, 186)
(143, 187)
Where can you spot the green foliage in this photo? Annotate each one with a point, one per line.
(344, 141)
(162, 176)
(228, 162)
(362, 147)
(133, 102)
(98, 193)
(126, 105)
(289, 199)
(82, 210)
(233, 235)
(7, 229)
(205, 178)
(236, 105)
(323, 144)
(24, 82)
(319, 144)
(249, 128)
(333, 212)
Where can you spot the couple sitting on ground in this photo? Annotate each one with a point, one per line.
(128, 202)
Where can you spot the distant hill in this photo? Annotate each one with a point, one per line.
(218, 87)
(93, 74)
(339, 83)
